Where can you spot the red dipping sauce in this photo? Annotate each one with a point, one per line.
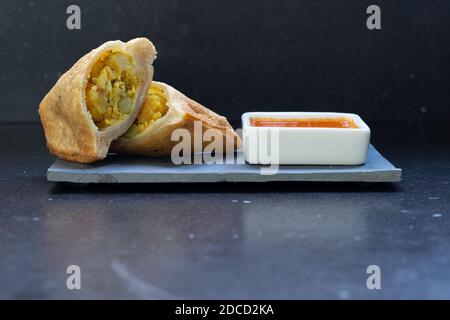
(342, 122)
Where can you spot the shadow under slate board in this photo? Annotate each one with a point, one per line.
(117, 169)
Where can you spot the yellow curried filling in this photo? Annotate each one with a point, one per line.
(154, 107)
(111, 88)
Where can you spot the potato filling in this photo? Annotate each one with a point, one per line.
(111, 88)
(154, 107)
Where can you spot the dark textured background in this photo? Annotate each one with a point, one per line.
(238, 56)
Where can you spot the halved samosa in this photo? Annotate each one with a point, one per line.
(165, 110)
(97, 100)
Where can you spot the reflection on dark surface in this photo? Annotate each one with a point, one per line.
(154, 237)
(187, 247)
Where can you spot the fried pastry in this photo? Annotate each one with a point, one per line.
(97, 99)
(165, 110)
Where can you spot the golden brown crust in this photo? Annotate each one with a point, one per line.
(70, 132)
(183, 113)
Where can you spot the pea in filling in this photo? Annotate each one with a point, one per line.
(154, 107)
(111, 88)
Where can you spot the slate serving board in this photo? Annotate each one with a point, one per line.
(117, 169)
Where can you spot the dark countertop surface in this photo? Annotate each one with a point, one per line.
(271, 240)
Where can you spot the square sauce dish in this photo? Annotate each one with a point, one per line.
(305, 138)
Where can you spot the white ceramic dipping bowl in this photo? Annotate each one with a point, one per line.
(305, 145)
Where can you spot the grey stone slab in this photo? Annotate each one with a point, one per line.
(117, 169)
